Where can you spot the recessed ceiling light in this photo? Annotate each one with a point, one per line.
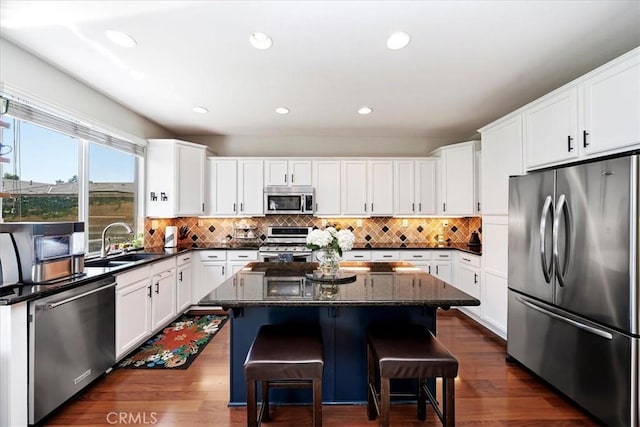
(282, 110)
(398, 40)
(120, 38)
(365, 110)
(260, 41)
(200, 109)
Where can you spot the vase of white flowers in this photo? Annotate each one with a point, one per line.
(330, 243)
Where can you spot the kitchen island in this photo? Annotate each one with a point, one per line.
(266, 293)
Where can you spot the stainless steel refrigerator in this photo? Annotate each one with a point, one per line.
(573, 283)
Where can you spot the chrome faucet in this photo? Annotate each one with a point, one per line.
(105, 248)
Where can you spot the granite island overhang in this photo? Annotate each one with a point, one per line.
(363, 293)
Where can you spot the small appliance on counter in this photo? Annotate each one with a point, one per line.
(474, 241)
(40, 252)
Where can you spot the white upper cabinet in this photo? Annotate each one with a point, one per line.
(611, 116)
(175, 178)
(458, 174)
(326, 182)
(250, 188)
(354, 187)
(594, 115)
(551, 128)
(415, 187)
(380, 187)
(287, 172)
(235, 187)
(501, 157)
(223, 184)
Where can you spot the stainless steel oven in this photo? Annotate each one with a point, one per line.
(286, 244)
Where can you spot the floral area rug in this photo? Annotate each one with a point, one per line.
(177, 345)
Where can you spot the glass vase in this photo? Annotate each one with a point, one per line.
(329, 262)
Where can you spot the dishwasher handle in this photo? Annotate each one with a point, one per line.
(53, 305)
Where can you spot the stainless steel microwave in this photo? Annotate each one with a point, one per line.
(289, 200)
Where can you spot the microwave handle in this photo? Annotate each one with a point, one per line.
(303, 202)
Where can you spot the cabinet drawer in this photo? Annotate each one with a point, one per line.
(415, 255)
(441, 255)
(385, 256)
(213, 255)
(184, 259)
(132, 276)
(164, 265)
(242, 255)
(356, 256)
(468, 259)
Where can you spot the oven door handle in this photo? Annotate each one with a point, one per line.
(73, 298)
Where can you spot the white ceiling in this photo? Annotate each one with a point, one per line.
(468, 63)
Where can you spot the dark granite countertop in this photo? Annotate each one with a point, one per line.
(375, 284)
(24, 292)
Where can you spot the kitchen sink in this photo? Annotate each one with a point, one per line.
(120, 260)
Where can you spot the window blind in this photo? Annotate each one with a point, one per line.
(70, 127)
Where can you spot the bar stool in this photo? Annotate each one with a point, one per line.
(284, 356)
(409, 351)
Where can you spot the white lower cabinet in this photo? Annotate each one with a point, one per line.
(184, 273)
(133, 309)
(145, 302)
(213, 271)
(468, 279)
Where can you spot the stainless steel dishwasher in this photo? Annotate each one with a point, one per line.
(71, 343)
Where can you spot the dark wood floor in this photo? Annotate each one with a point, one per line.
(488, 392)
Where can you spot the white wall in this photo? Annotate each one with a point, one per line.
(24, 75)
(325, 146)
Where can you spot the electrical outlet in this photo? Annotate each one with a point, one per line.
(359, 223)
(405, 223)
(200, 223)
(445, 223)
(323, 222)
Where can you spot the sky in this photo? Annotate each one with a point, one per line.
(47, 156)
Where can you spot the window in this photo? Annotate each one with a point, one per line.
(40, 174)
(112, 193)
(54, 169)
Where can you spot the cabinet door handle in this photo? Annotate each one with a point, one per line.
(466, 259)
(223, 270)
(316, 207)
(387, 256)
(413, 207)
(203, 207)
(186, 259)
(234, 207)
(436, 269)
(358, 256)
(429, 269)
(413, 282)
(569, 139)
(475, 278)
(371, 207)
(241, 207)
(417, 256)
(149, 289)
(181, 276)
(285, 178)
(584, 138)
(243, 256)
(444, 207)
(478, 206)
(157, 287)
(292, 181)
(420, 207)
(365, 207)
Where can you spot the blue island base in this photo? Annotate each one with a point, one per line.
(343, 334)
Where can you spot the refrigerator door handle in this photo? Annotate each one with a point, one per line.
(587, 328)
(546, 269)
(562, 210)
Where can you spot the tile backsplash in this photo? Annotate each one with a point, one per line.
(203, 231)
